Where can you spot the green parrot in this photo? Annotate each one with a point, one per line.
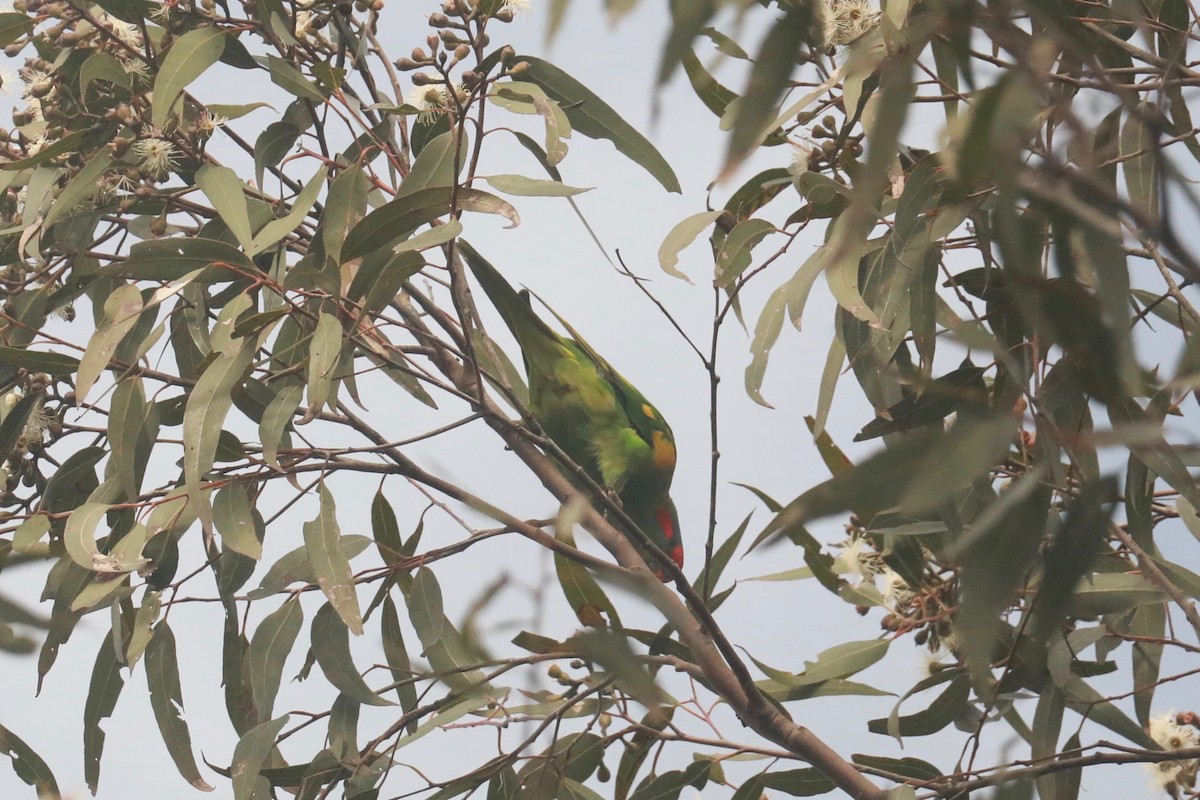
(595, 416)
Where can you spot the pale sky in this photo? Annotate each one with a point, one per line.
(780, 623)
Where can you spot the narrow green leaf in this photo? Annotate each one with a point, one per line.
(533, 187)
(941, 712)
(584, 595)
(595, 119)
(176, 258)
(38, 360)
(188, 58)
(679, 237)
(270, 646)
(227, 194)
(1139, 154)
(406, 213)
(249, 755)
(294, 566)
(79, 536)
(785, 302)
(276, 418)
(908, 767)
(103, 691)
(322, 541)
(14, 25)
(1150, 622)
(345, 205)
(396, 654)
(736, 251)
(83, 187)
(275, 230)
(435, 164)
(27, 764)
(121, 311)
(234, 518)
(324, 350)
(272, 145)
(166, 698)
(843, 660)
(207, 405)
(331, 643)
(286, 76)
(805, 782)
(434, 237)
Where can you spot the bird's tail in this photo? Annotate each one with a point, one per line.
(531, 333)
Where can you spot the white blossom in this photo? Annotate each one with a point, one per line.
(304, 21)
(129, 34)
(209, 122)
(1164, 774)
(158, 156)
(38, 83)
(843, 21)
(429, 100)
(895, 589)
(1169, 734)
(798, 165)
(858, 560)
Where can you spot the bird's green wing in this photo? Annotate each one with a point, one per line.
(644, 418)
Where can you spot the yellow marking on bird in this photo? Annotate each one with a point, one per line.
(664, 451)
(648, 410)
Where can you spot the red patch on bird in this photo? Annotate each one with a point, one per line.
(668, 529)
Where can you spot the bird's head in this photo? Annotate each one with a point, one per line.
(659, 520)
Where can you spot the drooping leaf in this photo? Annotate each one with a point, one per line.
(121, 311)
(594, 118)
(331, 643)
(397, 218)
(103, 691)
(679, 237)
(188, 58)
(249, 755)
(270, 646)
(522, 186)
(26, 763)
(166, 698)
(227, 195)
(207, 405)
(322, 541)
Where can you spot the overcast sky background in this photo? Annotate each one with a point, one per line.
(781, 624)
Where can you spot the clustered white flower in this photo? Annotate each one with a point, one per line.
(859, 562)
(1170, 735)
(157, 155)
(843, 21)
